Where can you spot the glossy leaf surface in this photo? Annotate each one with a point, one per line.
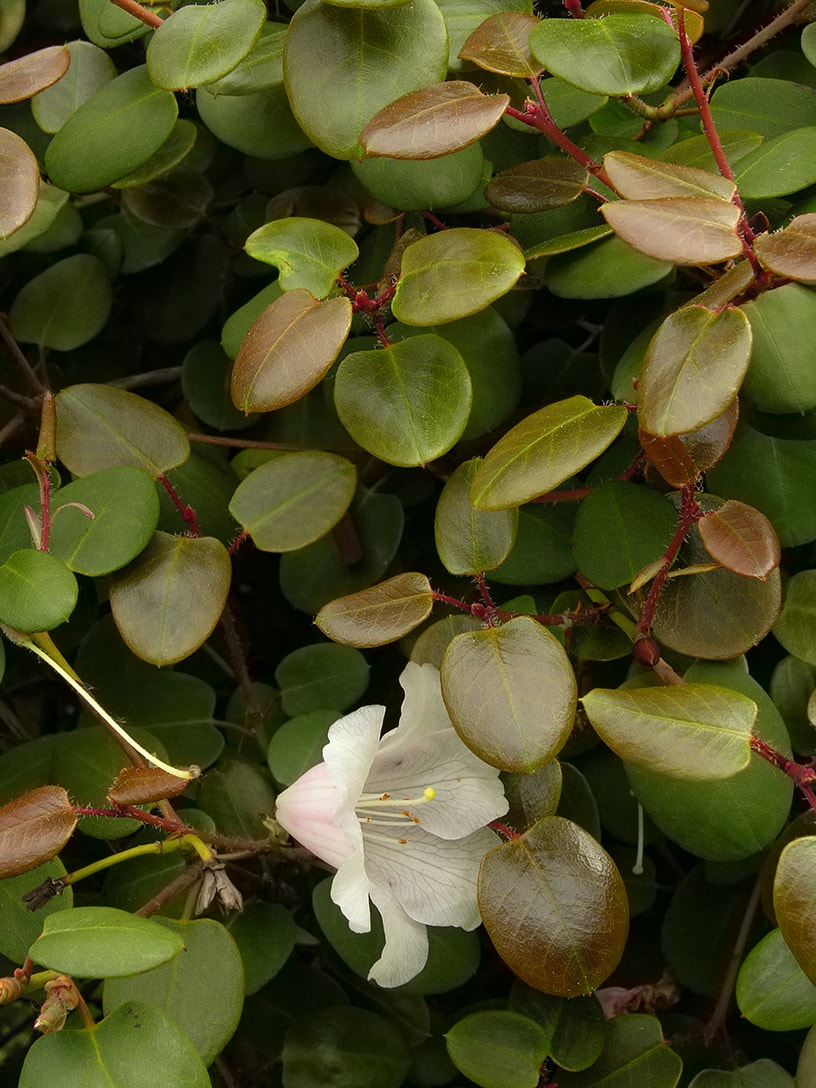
(543, 450)
(293, 499)
(112, 134)
(26, 76)
(554, 906)
(380, 614)
(20, 175)
(200, 44)
(168, 601)
(791, 252)
(634, 1052)
(693, 369)
(693, 731)
(136, 1041)
(434, 121)
(740, 538)
(65, 306)
(772, 990)
(101, 942)
(288, 350)
(33, 829)
(616, 55)
(411, 36)
(100, 427)
(794, 898)
(491, 683)
(308, 253)
(453, 274)
(780, 375)
(501, 44)
(468, 540)
(406, 404)
(497, 1048)
(639, 178)
(37, 591)
(537, 186)
(681, 229)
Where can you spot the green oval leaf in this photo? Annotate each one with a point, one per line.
(610, 269)
(37, 591)
(65, 306)
(112, 134)
(391, 50)
(434, 121)
(772, 990)
(125, 509)
(693, 369)
(183, 988)
(616, 55)
(102, 942)
(91, 68)
(796, 626)
(496, 1048)
(20, 173)
(491, 683)
(136, 1044)
(288, 350)
(641, 521)
(781, 165)
(691, 731)
(21, 926)
(199, 44)
(406, 404)
(468, 540)
(454, 273)
(780, 376)
(321, 675)
(422, 184)
(308, 253)
(634, 1052)
(364, 1045)
(566, 888)
(543, 450)
(168, 601)
(99, 427)
(380, 614)
(294, 499)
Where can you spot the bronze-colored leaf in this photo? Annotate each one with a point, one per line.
(27, 76)
(288, 350)
(636, 177)
(681, 229)
(537, 186)
(499, 44)
(741, 539)
(379, 614)
(141, 785)
(433, 122)
(19, 182)
(791, 252)
(33, 828)
(680, 458)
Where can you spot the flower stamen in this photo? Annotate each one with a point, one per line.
(382, 803)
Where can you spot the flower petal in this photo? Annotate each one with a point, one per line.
(423, 710)
(433, 879)
(308, 810)
(406, 941)
(350, 891)
(351, 750)
(469, 793)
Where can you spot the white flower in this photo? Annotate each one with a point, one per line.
(402, 819)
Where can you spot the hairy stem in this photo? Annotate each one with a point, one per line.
(149, 18)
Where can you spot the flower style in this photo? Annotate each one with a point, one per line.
(402, 819)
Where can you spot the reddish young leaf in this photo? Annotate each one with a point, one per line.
(499, 44)
(33, 828)
(791, 252)
(741, 539)
(681, 229)
(680, 458)
(141, 785)
(26, 76)
(379, 614)
(433, 122)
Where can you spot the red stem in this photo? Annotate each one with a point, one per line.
(149, 18)
(804, 777)
(188, 514)
(689, 513)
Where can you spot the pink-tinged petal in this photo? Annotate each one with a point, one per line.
(423, 710)
(350, 891)
(351, 750)
(433, 879)
(307, 810)
(406, 942)
(469, 792)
